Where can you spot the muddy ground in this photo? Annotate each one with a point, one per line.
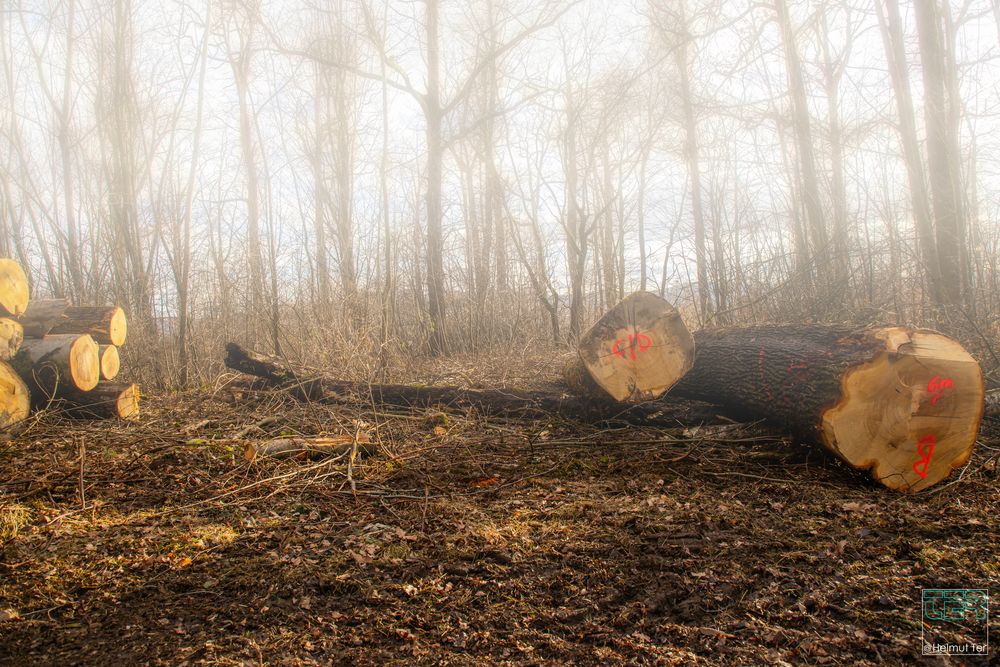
(467, 541)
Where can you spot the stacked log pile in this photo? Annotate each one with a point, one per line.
(903, 403)
(53, 354)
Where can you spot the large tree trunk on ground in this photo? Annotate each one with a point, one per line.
(13, 288)
(56, 363)
(107, 401)
(905, 403)
(634, 353)
(106, 324)
(11, 335)
(500, 402)
(43, 315)
(15, 400)
(110, 362)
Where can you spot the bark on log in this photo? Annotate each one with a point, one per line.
(58, 363)
(634, 353)
(11, 335)
(106, 401)
(13, 288)
(111, 362)
(905, 403)
(15, 400)
(105, 324)
(42, 316)
(500, 402)
(308, 448)
(992, 404)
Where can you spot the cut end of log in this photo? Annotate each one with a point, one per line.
(107, 401)
(11, 337)
(127, 404)
(638, 349)
(118, 327)
(911, 414)
(110, 362)
(13, 288)
(106, 324)
(85, 363)
(15, 400)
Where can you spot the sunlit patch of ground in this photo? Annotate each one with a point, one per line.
(466, 541)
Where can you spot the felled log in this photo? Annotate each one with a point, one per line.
(58, 363)
(11, 335)
(905, 403)
(634, 353)
(13, 288)
(105, 324)
(275, 372)
(42, 316)
(308, 448)
(106, 401)
(15, 400)
(111, 362)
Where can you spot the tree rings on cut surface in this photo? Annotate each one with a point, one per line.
(638, 349)
(106, 324)
(15, 401)
(110, 362)
(54, 363)
(13, 288)
(912, 413)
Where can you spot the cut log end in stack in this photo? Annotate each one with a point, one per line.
(57, 355)
(13, 288)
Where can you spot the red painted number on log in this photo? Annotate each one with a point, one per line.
(920, 467)
(938, 386)
(638, 342)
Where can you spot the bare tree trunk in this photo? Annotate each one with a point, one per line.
(576, 224)
(694, 166)
(803, 141)
(832, 72)
(945, 198)
(320, 195)
(435, 155)
(182, 246)
(892, 39)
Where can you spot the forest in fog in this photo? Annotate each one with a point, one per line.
(359, 181)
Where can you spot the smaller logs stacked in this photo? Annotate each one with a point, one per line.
(53, 354)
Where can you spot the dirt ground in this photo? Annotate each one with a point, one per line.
(467, 541)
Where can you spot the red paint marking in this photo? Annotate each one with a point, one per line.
(925, 457)
(799, 371)
(938, 386)
(638, 342)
